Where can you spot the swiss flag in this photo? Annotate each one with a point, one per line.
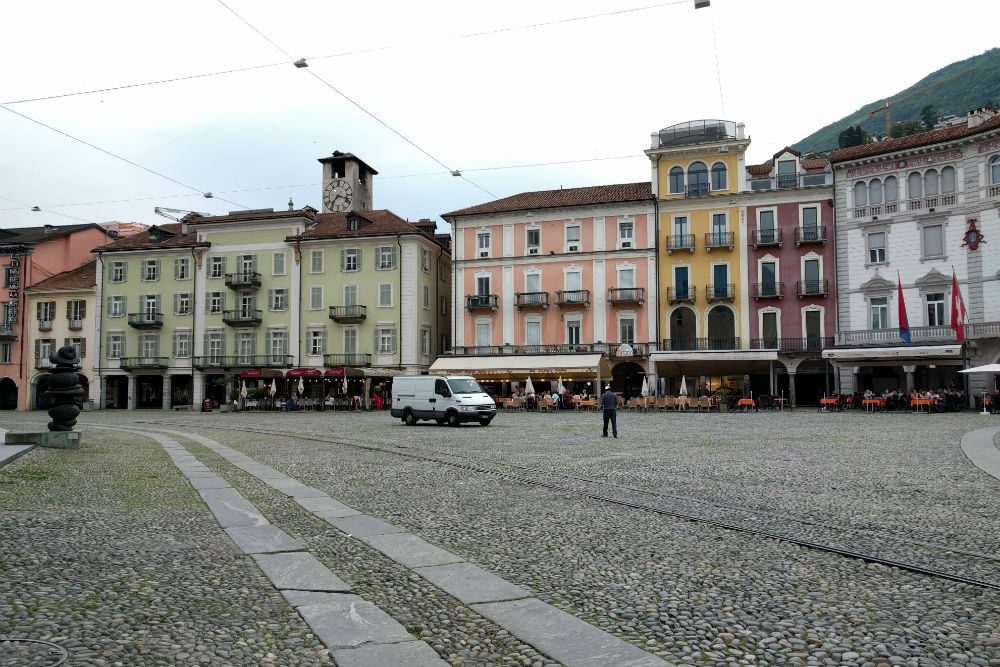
(958, 313)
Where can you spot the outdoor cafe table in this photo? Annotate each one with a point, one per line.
(683, 402)
(745, 403)
(827, 401)
(871, 404)
(926, 403)
(780, 401)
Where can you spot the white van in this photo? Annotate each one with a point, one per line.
(451, 400)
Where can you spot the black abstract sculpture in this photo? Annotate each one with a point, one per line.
(64, 393)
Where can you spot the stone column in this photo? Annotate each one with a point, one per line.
(197, 389)
(131, 392)
(791, 387)
(909, 377)
(166, 392)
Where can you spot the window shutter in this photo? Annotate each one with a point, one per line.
(38, 311)
(109, 306)
(394, 249)
(156, 263)
(177, 304)
(270, 299)
(38, 348)
(343, 259)
(65, 342)
(69, 310)
(360, 256)
(208, 302)
(124, 271)
(174, 353)
(83, 309)
(83, 347)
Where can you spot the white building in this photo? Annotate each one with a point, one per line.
(911, 207)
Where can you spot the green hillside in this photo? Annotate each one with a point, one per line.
(951, 90)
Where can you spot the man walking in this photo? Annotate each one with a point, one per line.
(609, 401)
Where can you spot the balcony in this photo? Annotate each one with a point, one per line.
(143, 363)
(45, 325)
(244, 280)
(243, 361)
(699, 344)
(42, 363)
(791, 345)
(684, 294)
(244, 317)
(766, 237)
(720, 292)
(725, 240)
(145, 320)
(494, 350)
(679, 242)
(805, 235)
(481, 302)
(348, 314)
(347, 359)
(931, 203)
(7, 333)
(623, 350)
(771, 290)
(889, 337)
(531, 299)
(812, 287)
(618, 295)
(575, 297)
(873, 211)
(993, 191)
(75, 325)
(790, 181)
(696, 190)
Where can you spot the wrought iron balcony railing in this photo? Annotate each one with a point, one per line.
(809, 344)
(531, 299)
(626, 295)
(766, 237)
(481, 301)
(684, 294)
(768, 290)
(720, 240)
(696, 190)
(576, 297)
(724, 292)
(145, 320)
(243, 361)
(815, 234)
(813, 287)
(347, 359)
(679, 242)
(242, 317)
(243, 280)
(139, 363)
(699, 344)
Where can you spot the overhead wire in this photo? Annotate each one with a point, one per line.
(340, 54)
(359, 105)
(39, 209)
(114, 155)
(718, 71)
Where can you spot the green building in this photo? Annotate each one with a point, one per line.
(301, 299)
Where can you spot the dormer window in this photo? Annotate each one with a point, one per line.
(352, 224)
(787, 177)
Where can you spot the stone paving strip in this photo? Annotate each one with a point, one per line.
(556, 633)
(358, 633)
(981, 448)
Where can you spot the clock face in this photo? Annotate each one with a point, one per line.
(338, 195)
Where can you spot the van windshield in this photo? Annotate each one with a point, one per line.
(469, 386)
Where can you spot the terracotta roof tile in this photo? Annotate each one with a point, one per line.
(380, 222)
(308, 213)
(814, 163)
(787, 149)
(759, 169)
(38, 234)
(599, 194)
(913, 140)
(141, 241)
(81, 277)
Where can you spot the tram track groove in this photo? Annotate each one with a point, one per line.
(477, 467)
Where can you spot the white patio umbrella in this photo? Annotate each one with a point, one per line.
(988, 368)
(561, 388)
(343, 385)
(530, 388)
(645, 387)
(273, 388)
(301, 387)
(684, 386)
(243, 393)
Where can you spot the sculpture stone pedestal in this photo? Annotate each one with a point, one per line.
(54, 439)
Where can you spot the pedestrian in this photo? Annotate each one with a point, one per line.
(609, 401)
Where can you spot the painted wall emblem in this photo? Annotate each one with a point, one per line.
(973, 237)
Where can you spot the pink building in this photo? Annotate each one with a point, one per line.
(791, 270)
(29, 255)
(555, 285)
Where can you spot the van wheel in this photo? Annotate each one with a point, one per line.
(452, 419)
(485, 422)
(409, 418)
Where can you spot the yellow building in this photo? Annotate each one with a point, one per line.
(698, 173)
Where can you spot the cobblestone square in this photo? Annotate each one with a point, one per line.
(700, 539)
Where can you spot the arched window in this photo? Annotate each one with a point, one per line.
(995, 170)
(860, 193)
(721, 329)
(891, 189)
(931, 182)
(683, 329)
(719, 176)
(875, 191)
(676, 180)
(914, 186)
(948, 180)
(697, 179)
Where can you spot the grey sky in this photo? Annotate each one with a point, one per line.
(573, 90)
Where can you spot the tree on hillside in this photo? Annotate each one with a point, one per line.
(905, 128)
(929, 115)
(855, 135)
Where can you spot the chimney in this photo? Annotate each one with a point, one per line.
(291, 206)
(48, 229)
(427, 227)
(741, 130)
(654, 139)
(978, 116)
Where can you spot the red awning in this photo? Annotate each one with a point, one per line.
(334, 373)
(260, 373)
(304, 373)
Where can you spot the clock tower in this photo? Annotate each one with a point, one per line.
(347, 183)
